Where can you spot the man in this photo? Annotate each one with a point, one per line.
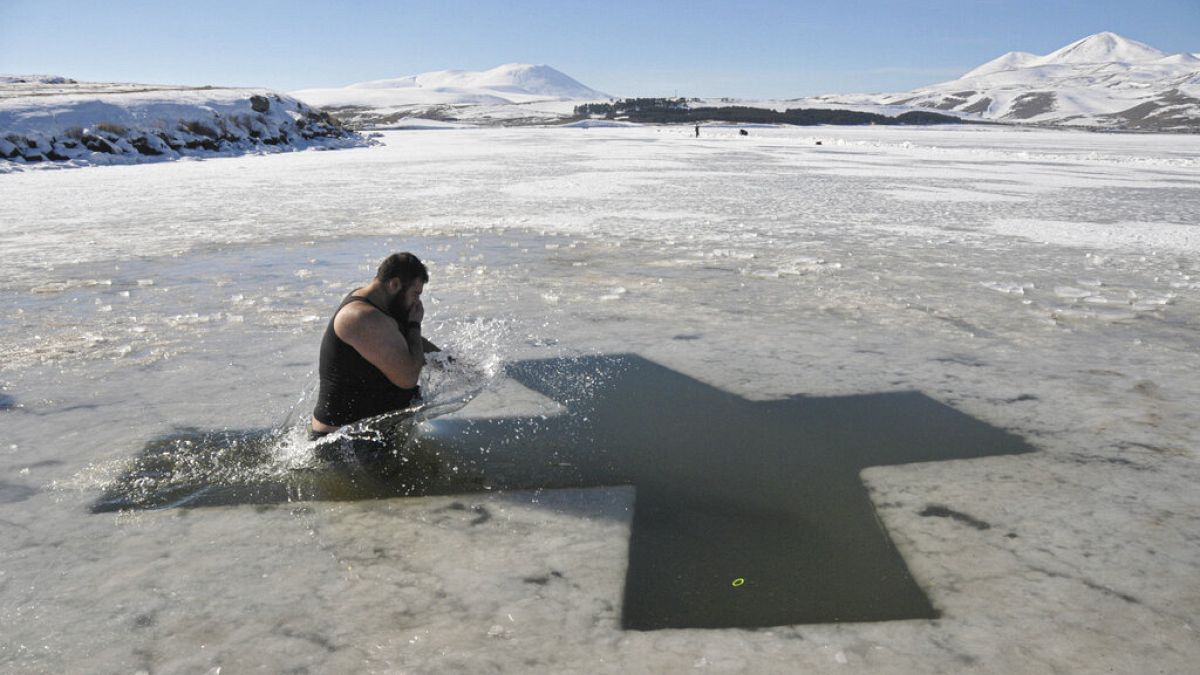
(372, 353)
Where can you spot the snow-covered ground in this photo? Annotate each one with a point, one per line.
(1046, 282)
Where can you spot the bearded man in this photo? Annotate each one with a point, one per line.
(372, 352)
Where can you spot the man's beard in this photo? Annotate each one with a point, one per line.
(397, 309)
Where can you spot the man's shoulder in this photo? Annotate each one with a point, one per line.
(358, 315)
(358, 307)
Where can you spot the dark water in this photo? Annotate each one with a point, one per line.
(748, 513)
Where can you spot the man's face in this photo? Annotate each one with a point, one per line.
(404, 298)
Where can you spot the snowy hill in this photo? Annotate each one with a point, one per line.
(35, 79)
(56, 119)
(505, 93)
(1103, 80)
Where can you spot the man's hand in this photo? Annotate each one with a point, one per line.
(417, 311)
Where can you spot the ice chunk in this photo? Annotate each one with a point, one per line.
(50, 287)
(1070, 292)
(1004, 287)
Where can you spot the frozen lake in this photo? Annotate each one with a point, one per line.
(1043, 283)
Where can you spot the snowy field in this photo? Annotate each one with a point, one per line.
(1047, 283)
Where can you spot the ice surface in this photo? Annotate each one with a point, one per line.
(767, 266)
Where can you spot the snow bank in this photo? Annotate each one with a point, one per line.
(418, 123)
(588, 124)
(58, 120)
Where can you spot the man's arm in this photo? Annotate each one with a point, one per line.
(376, 336)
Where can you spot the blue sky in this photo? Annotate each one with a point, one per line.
(751, 48)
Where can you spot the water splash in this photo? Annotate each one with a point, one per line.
(375, 457)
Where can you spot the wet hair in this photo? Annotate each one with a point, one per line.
(405, 266)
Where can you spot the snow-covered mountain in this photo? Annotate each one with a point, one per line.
(510, 91)
(46, 118)
(1103, 80)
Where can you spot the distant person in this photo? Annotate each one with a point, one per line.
(743, 132)
(373, 352)
(697, 131)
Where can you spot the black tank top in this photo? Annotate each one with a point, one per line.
(351, 388)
